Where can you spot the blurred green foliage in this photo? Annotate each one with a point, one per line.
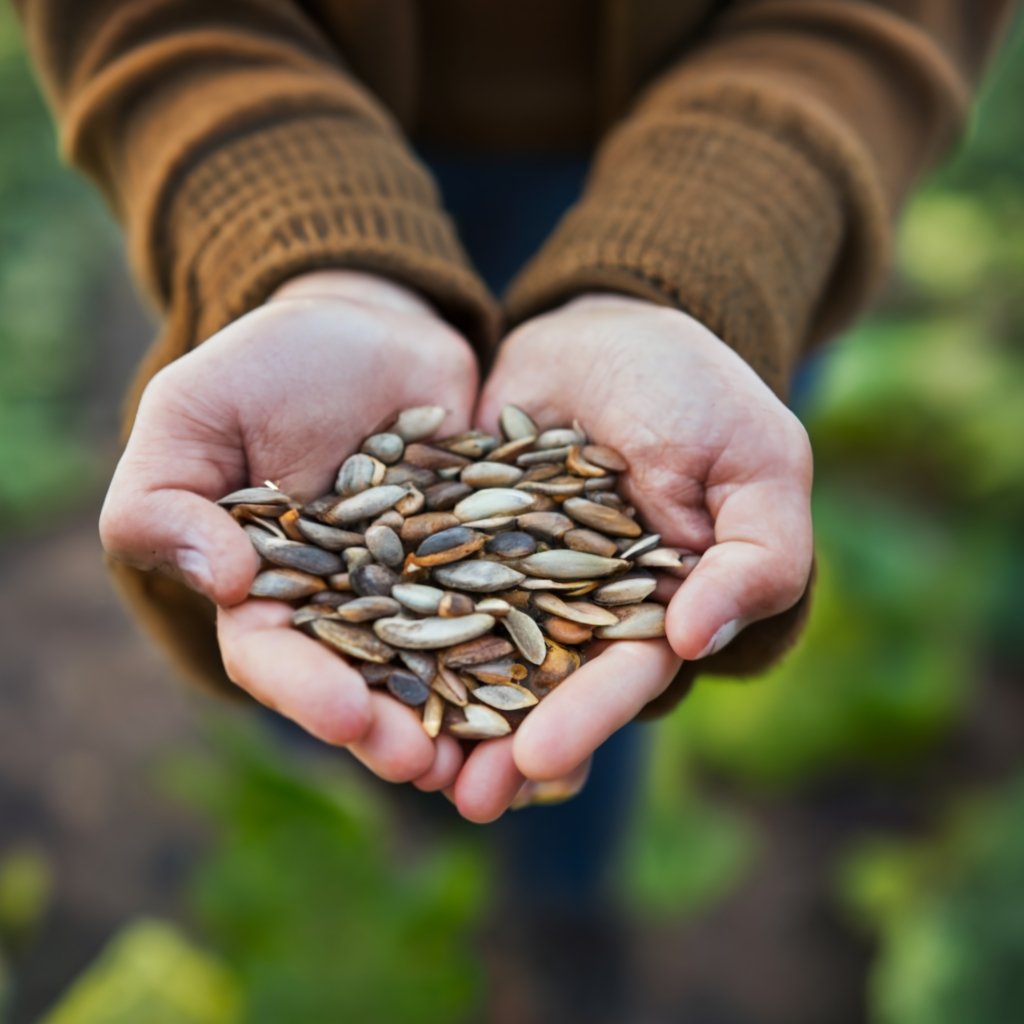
(151, 972)
(947, 914)
(26, 885)
(320, 919)
(55, 243)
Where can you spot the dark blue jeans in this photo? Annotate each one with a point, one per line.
(505, 208)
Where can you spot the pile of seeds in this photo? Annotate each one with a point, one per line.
(454, 572)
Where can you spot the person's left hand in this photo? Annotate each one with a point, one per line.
(717, 465)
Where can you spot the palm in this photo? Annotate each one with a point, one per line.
(717, 465)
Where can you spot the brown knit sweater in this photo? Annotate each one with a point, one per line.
(750, 160)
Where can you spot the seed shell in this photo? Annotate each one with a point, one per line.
(526, 635)
(432, 633)
(505, 696)
(355, 641)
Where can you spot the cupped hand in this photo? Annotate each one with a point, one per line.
(717, 464)
(285, 393)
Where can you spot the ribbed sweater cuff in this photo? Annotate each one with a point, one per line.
(307, 193)
(699, 211)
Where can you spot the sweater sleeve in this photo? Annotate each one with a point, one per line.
(237, 151)
(755, 186)
(755, 183)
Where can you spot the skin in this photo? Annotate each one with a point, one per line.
(717, 464)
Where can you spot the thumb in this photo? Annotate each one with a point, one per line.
(182, 533)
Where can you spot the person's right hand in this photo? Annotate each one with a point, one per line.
(285, 393)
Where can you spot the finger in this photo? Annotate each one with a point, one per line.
(395, 748)
(488, 782)
(758, 567)
(442, 773)
(292, 673)
(177, 530)
(557, 791)
(595, 701)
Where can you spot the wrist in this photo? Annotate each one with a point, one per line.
(361, 286)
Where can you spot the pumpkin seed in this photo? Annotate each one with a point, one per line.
(516, 425)
(355, 641)
(564, 564)
(505, 696)
(364, 505)
(285, 584)
(477, 576)
(601, 517)
(636, 622)
(525, 634)
(432, 633)
(419, 422)
(481, 723)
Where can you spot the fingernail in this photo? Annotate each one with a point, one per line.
(195, 568)
(723, 635)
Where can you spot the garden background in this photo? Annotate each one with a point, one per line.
(839, 842)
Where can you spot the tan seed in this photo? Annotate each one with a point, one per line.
(431, 457)
(526, 635)
(432, 633)
(423, 663)
(433, 715)
(636, 622)
(355, 641)
(582, 612)
(269, 496)
(505, 697)
(625, 591)
(481, 723)
(329, 537)
(491, 672)
(385, 545)
(492, 501)
(510, 449)
(365, 609)
(533, 458)
(559, 663)
(417, 597)
(576, 463)
(516, 424)
(559, 437)
(404, 473)
(386, 448)
(443, 496)
(476, 652)
(365, 505)
(640, 547)
(602, 518)
(605, 457)
(477, 576)
(419, 422)
(496, 606)
(358, 473)
(285, 584)
(453, 604)
(566, 632)
(417, 528)
(450, 686)
(490, 474)
(569, 565)
(592, 541)
(551, 525)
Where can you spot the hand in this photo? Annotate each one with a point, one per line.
(284, 394)
(717, 465)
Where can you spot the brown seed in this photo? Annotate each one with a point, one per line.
(365, 505)
(480, 723)
(509, 450)
(602, 518)
(453, 604)
(408, 688)
(405, 473)
(386, 447)
(289, 524)
(340, 581)
(445, 495)
(559, 663)
(260, 513)
(499, 671)
(355, 641)
(612, 500)
(605, 457)
(492, 501)
(329, 537)
(433, 715)
(557, 487)
(550, 525)
(596, 484)
(385, 545)
(490, 474)
(302, 617)
(449, 546)
(432, 633)
(505, 697)
(636, 622)
(566, 632)
(417, 528)
(526, 634)
(590, 540)
(677, 562)
(478, 576)
(582, 612)
(372, 580)
(516, 425)
(365, 609)
(450, 686)
(477, 651)
(317, 508)
(625, 591)
(514, 544)
(429, 457)
(545, 471)
(285, 584)
(417, 423)
(576, 463)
